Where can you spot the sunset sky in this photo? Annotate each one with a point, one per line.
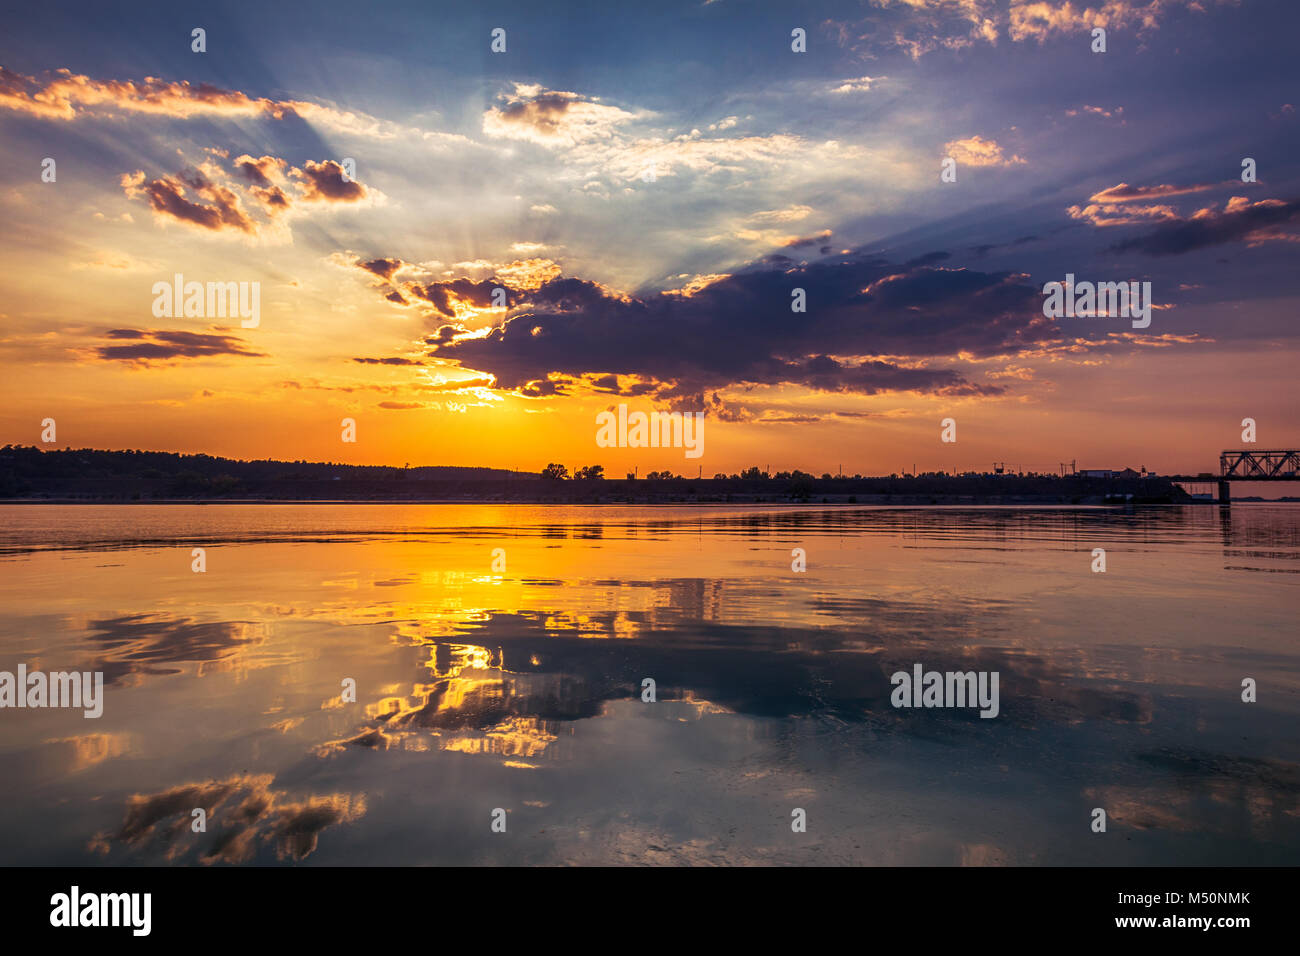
(648, 183)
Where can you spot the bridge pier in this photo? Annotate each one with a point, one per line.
(1225, 495)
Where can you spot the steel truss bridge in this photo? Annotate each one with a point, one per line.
(1248, 466)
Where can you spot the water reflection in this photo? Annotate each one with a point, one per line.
(522, 690)
(250, 812)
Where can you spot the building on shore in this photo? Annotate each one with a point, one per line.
(1110, 473)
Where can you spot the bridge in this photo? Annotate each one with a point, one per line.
(1248, 466)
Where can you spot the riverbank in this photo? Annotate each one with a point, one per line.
(934, 490)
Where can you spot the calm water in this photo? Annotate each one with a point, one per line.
(520, 688)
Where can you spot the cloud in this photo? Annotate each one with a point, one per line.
(1241, 219)
(798, 242)
(862, 84)
(1123, 192)
(445, 297)
(462, 297)
(789, 214)
(552, 117)
(871, 326)
(384, 268)
(324, 181)
(978, 151)
(528, 248)
(226, 199)
(1113, 214)
(166, 197)
(259, 171)
(1116, 113)
(918, 27)
(1176, 233)
(64, 95)
(161, 346)
(603, 142)
(463, 385)
(1039, 20)
(1125, 205)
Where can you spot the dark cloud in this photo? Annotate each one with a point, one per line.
(272, 197)
(1239, 221)
(741, 330)
(391, 360)
(217, 205)
(166, 197)
(256, 170)
(325, 181)
(440, 294)
(544, 388)
(162, 345)
(544, 112)
(384, 268)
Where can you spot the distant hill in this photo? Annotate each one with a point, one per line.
(28, 470)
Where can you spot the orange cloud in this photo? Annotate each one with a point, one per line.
(551, 117)
(1111, 214)
(325, 182)
(219, 203)
(166, 197)
(68, 95)
(978, 151)
(1123, 192)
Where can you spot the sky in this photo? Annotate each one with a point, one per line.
(647, 185)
